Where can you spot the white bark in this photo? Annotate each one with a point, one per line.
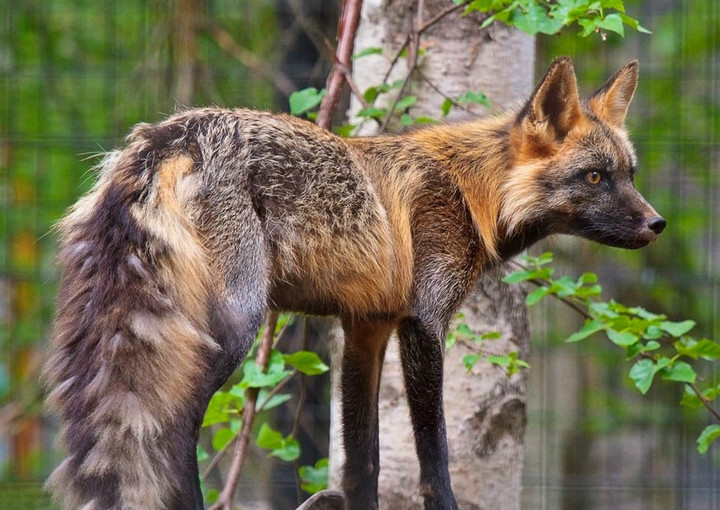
(485, 411)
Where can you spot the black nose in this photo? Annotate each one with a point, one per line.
(657, 224)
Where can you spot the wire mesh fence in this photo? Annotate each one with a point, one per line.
(76, 74)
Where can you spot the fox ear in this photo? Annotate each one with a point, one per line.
(555, 100)
(610, 102)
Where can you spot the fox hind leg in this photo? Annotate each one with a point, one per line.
(361, 369)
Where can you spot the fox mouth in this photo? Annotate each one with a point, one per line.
(631, 240)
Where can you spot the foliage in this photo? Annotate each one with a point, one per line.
(656, 345)
(533, 16)
(225, 410)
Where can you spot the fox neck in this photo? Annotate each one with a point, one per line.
(480, 158)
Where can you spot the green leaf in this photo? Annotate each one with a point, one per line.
(464, 329)
(589, 328)
(274, 401)
(289, 452)
(450, 339)
(690, 399)
(254, 377)
(612, 22)
(642, 374)
(424, 119)
(305, 99)
(518, 276)
(366, 52)
(677, 329)
(633, 23)
(201, 454)
(269, 438)
(474, 97)
(345, 130)
(535, 296)
(405, 103)
(372, 112)
(222, 437)
(503, 361)
(588, 278)
(314, 478)
(470, 360)
(622, 338)
(217, 411)
(371, 94)
(492, 335)
(708, 435)
(705, 348)
(212, 495)
(306, 362)
(446, 106)
(285, 448)
(679, 371)
(613, 4)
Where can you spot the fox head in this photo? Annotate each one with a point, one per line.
(574, 165)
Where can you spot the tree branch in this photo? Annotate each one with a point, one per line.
(347, 28)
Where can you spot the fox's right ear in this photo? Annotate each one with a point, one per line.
(554, 106)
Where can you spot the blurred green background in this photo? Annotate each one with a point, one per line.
(75, 75)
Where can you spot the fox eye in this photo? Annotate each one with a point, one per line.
(593, 177)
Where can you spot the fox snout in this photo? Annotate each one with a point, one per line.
(631, 223)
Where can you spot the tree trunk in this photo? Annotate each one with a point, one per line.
(485, 410)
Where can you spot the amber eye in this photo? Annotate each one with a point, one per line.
(593, 177)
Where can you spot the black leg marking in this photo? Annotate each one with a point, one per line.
(422, 358)
(362, 365)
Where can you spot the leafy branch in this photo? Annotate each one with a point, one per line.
(233, 412)
(658, 346)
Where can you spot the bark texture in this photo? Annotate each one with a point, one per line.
(485, 411)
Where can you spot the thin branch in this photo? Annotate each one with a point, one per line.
(225, 500)
(427, 80)
(386, 121)
(299, 409)
(705, 401)
(353, 86)
(347, 28)
(413, 53)
(422, 28)
(476, 349)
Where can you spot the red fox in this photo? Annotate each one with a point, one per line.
(207, 219)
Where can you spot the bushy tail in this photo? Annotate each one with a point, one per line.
(130, 343)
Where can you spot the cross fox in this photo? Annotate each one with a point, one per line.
(206, 219)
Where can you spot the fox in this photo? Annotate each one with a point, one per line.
(211, 217)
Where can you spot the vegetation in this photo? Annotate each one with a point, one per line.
(73, 85)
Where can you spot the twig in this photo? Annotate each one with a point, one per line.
(298, 411)
(227, 495)
(422, 28)
(347, 28)
(477, 350)
(353, 86)
(413, 53)
(705, 401)
(427, 80)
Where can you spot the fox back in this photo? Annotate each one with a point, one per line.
(208, 218)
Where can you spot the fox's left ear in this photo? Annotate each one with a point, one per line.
(610, 103)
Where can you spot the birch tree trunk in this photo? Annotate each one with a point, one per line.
(485, 410)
